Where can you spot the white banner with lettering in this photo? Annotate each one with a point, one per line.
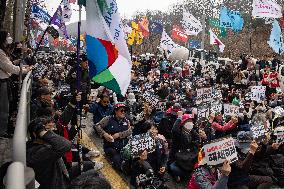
(168, 44)
(266, 9)
(258, 93)
(230, 109)
(190, 24)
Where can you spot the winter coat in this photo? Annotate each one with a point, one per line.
(99, 111)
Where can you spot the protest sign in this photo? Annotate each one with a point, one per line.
(258, 131)
(216, 107)
(139, 143)
(258, 93)
(219, 151)
(279, 133)
(266, 9)
(204, 95)
(230, 109)
(279, 111)
(203, 112)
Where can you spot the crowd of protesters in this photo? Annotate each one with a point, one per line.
(174, 122)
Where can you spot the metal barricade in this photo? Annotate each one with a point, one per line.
(19, 175)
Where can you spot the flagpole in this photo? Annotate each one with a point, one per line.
(42, 37)
(203, 32)
(79, 117)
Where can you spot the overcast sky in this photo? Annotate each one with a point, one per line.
(126, 7)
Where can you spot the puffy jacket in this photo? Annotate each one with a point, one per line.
(99, 111)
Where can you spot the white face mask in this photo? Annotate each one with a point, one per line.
(9, 40)
(188, 126)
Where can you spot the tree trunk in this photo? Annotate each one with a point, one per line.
(2, 12)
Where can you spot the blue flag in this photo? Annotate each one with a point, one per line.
(231, 19)
(40, 14)
(194, 44)
(276, 40)
(156, 27)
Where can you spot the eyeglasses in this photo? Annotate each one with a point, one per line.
(122, 110)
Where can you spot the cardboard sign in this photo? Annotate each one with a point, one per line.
(258, 131)
(217, 152)
(230, 109)
(139, 143)
(258, 93)
(279, 133)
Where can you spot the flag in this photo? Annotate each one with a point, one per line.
(144, 26)
(109, 59)
(127, 29)
(40, 14)
(266, 9)
(135, 35)
(53, 32)
(32, 39)
(156, 27)
(276, 39)
(179, 34)
(46, 40)
(194, 44)
(215, 27)
(190, 24)
(67, 11)
(215, 41)
(58, 21)
(231, 19)
(167, 44)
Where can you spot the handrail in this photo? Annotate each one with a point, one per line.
(18, 174)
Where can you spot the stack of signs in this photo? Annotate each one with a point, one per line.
(258, 93)
(231, 110)
(151, 98)
(279, 133)
(218, 152)
(279, 111)
(139, 143)
(258, 131)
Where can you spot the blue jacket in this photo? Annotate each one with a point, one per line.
(99, 112)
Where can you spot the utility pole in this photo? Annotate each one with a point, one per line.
(19, 20)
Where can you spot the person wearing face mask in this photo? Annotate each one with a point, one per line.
(7, 68)
(185, 140)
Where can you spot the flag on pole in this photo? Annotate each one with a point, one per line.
(46, 40)
(32, 39)
(144, 26)
(194, 44)
(57, 20)
(109, 59)
(276, 39)
(179, 34)
(190, 24)
(215, 26)
(266, 9)
(167, 44)
(156, 27)
(67, 11)
(215, 41)
(39, 13)
(231, 19)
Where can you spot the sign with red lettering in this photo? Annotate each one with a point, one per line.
(217, 152)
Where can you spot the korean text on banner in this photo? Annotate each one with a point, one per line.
(139, 143)
(218, 152)
(266, 9)
(231, 110)
(190, 24)
(258, 93)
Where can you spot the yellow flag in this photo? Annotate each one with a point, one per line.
(138, 38)
(135, 25)
(131, 37)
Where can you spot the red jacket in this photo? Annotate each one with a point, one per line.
(228, 126)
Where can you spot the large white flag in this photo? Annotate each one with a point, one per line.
(190, 24)
(66, 11)
(168, 44)
(214, 40)
(108, 55)
(266, 9)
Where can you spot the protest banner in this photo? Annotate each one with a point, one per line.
(203, 112)
(266, 9)
(258, 131)
(190, 24)
(204, 95)
(279, 133)
(216, 107)
(230, 109)
(279, 111)
(258, 93)
(217, 152)
(139, 143)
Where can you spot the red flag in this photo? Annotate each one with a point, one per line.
(179, 34)
(144, 26)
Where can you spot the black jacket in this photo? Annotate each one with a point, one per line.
(46, 160)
